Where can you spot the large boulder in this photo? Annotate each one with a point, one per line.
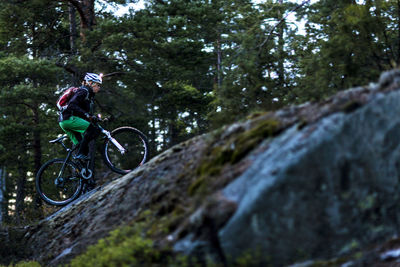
(323, 188)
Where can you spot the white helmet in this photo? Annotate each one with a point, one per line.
(93, 77)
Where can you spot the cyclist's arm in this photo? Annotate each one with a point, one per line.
(76, 102)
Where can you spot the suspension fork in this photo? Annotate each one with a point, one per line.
(112, 140)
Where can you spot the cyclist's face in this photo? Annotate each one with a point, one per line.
(96, 87)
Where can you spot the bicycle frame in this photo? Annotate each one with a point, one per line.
(65, 161)
(69, 153)
(84, 175)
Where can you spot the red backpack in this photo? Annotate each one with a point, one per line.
(63, 100)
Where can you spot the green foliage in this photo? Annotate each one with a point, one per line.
(27, 264)
(254, 65)
(253, 258)
(124, 246)
(346, 44)
(14, 248)
(26, 91)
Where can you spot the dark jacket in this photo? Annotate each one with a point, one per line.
(80, 104)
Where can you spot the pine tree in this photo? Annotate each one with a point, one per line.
(157, 66)
(347, 44)
(256, 76)
(27, 82)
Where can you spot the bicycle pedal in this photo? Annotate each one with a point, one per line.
(85, 175)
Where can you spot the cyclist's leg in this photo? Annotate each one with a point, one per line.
(91, 133)
(78, 136)
(74, 125)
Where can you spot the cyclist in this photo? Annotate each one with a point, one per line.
(75, 119)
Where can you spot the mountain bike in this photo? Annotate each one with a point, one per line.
(62, 180)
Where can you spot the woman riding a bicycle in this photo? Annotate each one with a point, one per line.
(60, 181)
(76, 117)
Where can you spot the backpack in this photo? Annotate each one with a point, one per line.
(63, 100)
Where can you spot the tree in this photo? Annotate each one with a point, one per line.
(256, 60)
(346, 44)
(23, 104)
(156, 64)
(27, 84)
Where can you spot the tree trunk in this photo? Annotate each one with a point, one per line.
(72, 28)
(153, 134)
(85, 9)
(37, 149)
(2, 192)
(281, 43)
(173, 134)
(20, 199)
(219, 64)
(37, 146)
(398, 29)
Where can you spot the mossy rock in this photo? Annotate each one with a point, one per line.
(234, 150)
(351, 106)
(248, 140)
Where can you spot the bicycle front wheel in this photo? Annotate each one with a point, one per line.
(57, 188)
(126, 150)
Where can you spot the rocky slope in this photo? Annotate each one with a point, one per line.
(316, 181)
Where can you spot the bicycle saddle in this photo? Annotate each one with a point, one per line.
(58, 139)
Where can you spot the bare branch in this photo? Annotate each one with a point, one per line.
(114, 73)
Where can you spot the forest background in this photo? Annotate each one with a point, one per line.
(174, 69)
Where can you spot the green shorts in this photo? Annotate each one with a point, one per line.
(74, 125)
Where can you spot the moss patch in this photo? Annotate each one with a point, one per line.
(133, 245)
(24, 264)
(124, 246)
(247, 141)
(231, 152)
(351, 105)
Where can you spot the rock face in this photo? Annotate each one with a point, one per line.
(67, 233)
(322, 187)
(310, 181)
(317, 190)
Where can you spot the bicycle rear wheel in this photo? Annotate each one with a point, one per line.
(56, 189)
(136, 150)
